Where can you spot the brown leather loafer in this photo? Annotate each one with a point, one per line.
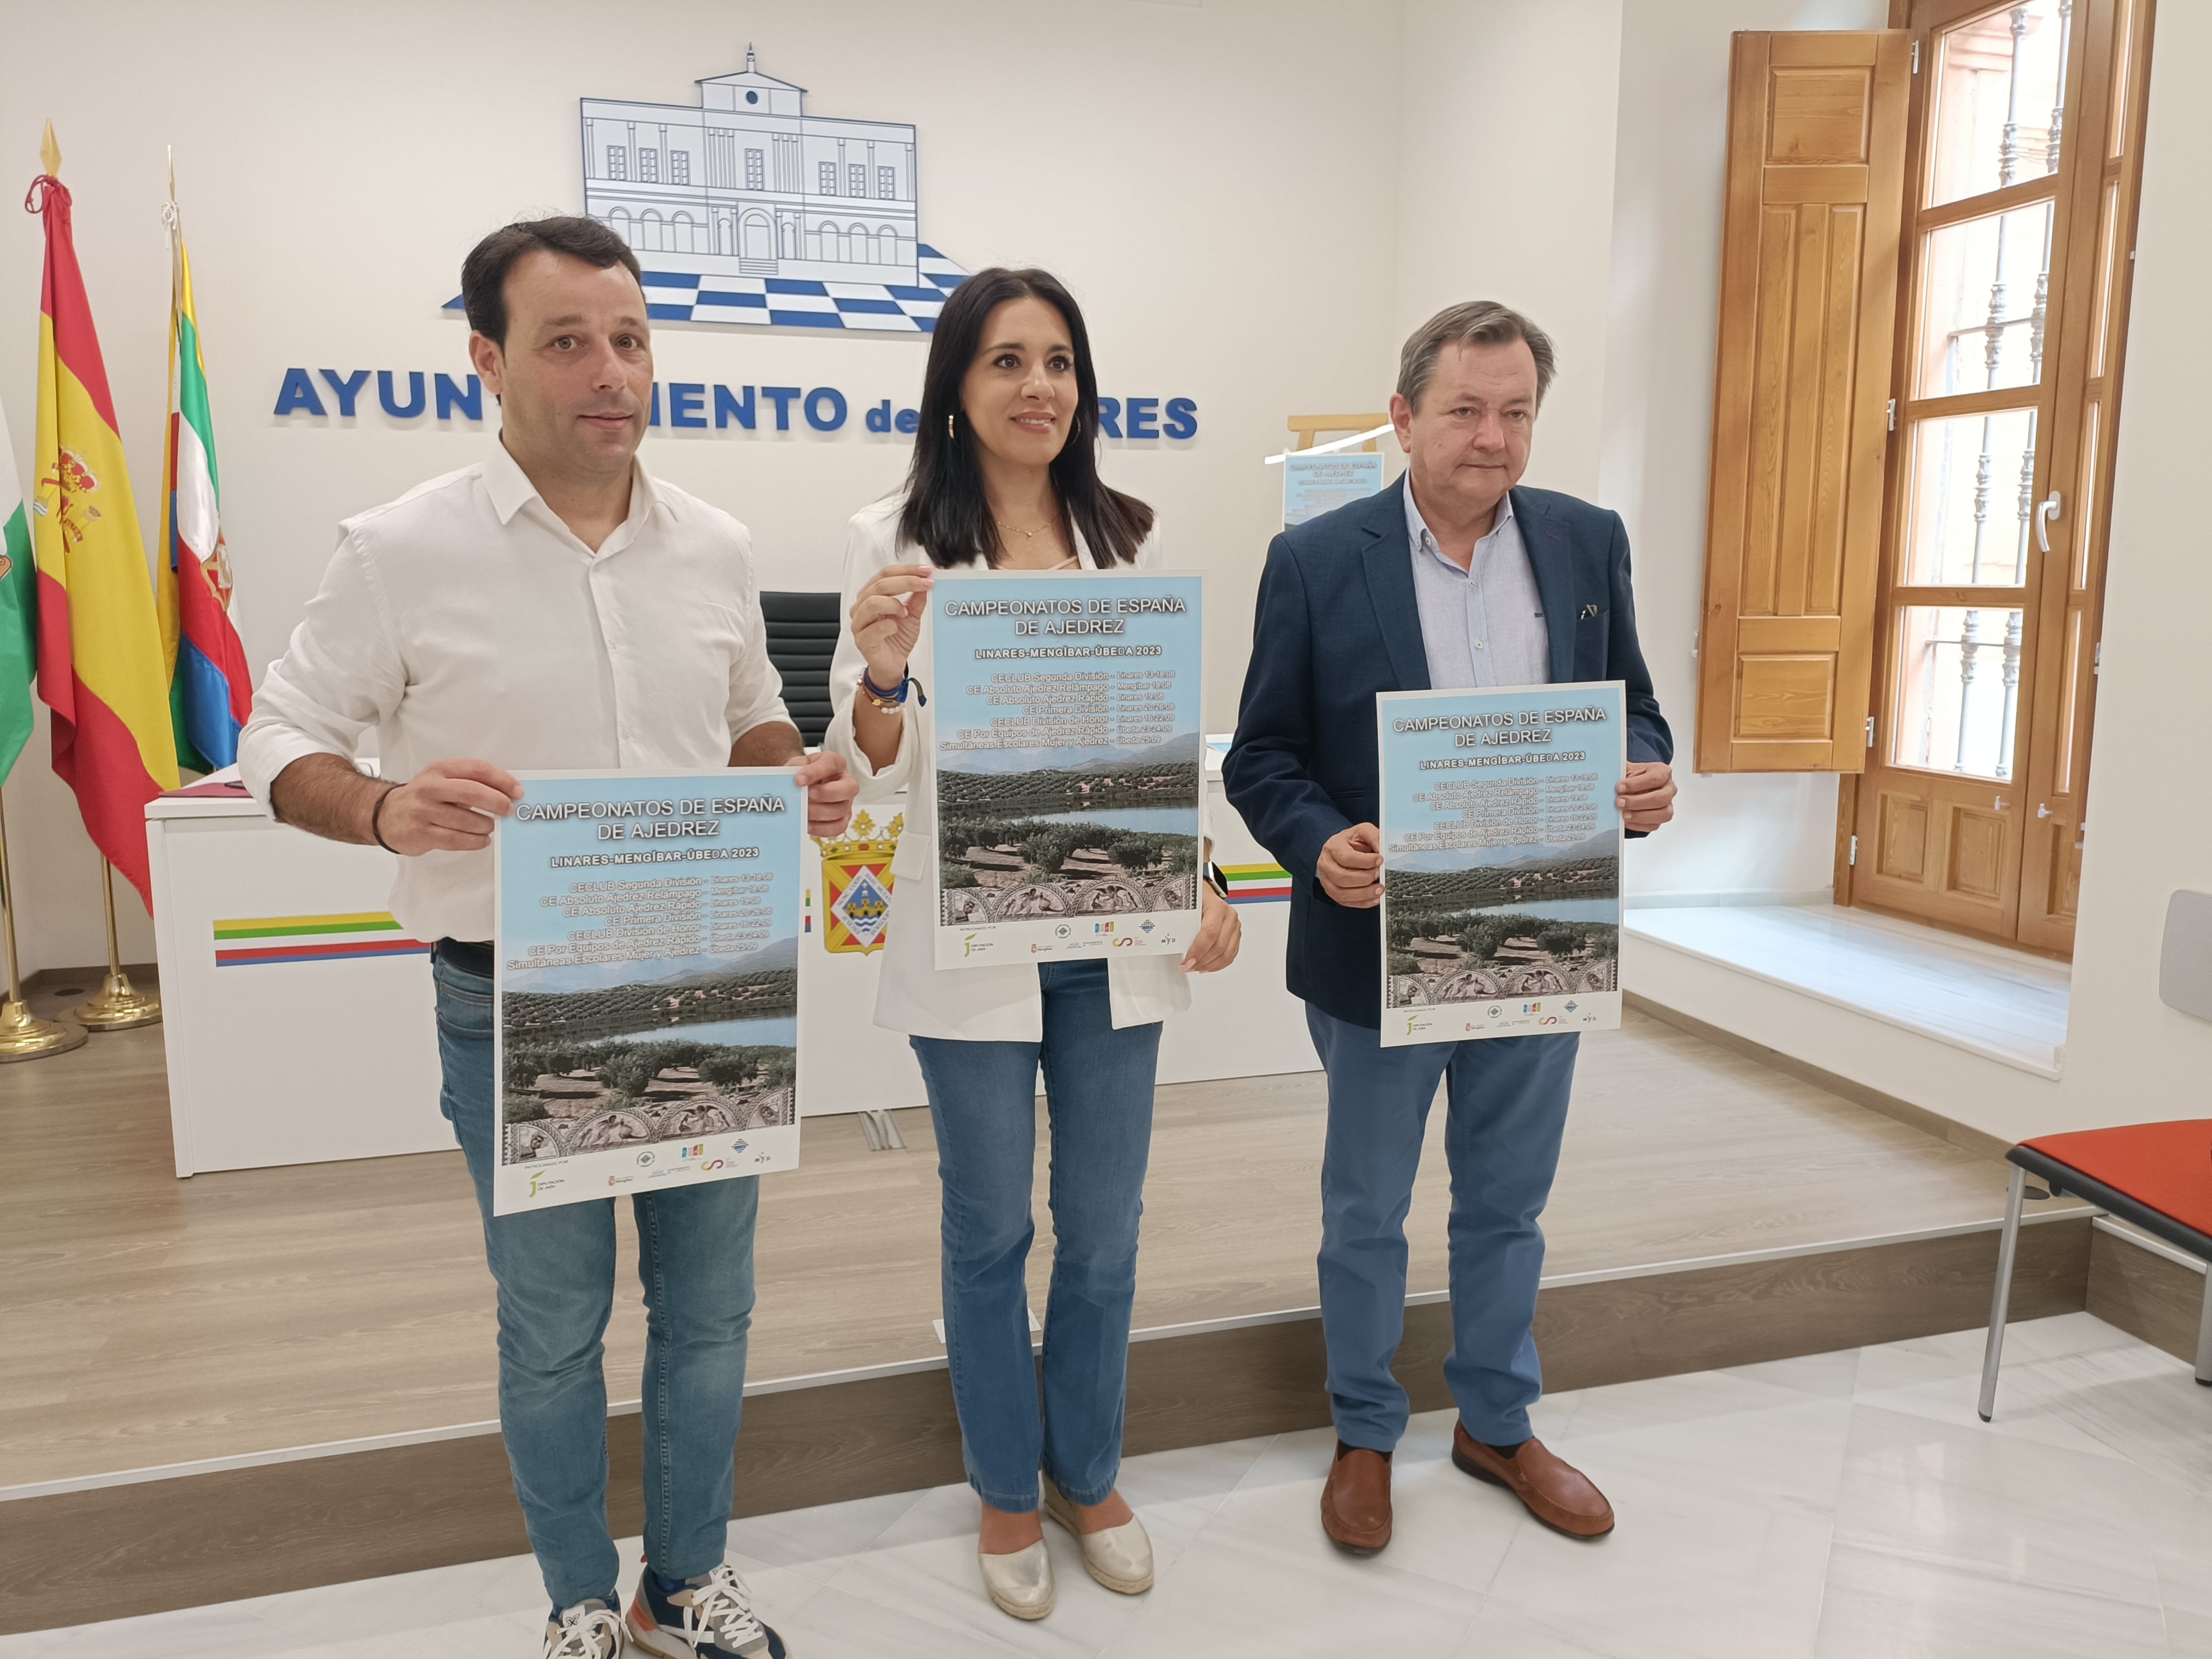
(1557, 1493)
(1355, 1505)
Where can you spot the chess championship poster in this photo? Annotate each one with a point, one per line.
(646, 996)
(1068, 765)
(1501, 861)
(1315, 484)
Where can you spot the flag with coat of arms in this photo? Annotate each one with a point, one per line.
(99, 646)
(210, 693)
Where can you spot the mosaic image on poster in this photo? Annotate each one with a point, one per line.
(1069, 755)
(1501, 861)
(647, 982)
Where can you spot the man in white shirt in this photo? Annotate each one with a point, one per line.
(555, 607)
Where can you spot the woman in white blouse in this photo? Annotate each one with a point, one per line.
(1005, 474)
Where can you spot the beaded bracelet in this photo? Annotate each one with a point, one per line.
(889, 703)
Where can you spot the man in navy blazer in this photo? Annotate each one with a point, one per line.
(1454, 577)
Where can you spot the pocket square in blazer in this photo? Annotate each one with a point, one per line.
(1589, 611)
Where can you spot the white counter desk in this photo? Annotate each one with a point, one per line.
(298, 1015)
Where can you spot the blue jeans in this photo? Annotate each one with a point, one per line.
(556, 1270)
(1508, 1108)
(983, 1099)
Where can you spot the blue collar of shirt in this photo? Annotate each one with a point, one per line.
(1423, 540)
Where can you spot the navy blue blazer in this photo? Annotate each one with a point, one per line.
(1337, 622)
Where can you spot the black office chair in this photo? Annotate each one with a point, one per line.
(802, 637)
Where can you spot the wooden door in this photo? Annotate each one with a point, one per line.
(1816, 148)
(2025, 127)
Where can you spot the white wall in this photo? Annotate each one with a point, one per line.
(335, 163)
(2129, 1057)
(1506, 160)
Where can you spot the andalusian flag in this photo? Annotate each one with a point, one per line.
(99, 646)
(209, 693)
(19, 612)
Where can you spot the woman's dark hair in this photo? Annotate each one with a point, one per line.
(946, 514)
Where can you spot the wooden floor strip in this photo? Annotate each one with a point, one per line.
(227, 1534)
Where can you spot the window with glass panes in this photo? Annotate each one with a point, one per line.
(2019, 219)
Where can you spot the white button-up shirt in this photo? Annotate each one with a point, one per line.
(1483, 625)
(465, 620)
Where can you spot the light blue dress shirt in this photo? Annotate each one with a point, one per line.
(1482, 625)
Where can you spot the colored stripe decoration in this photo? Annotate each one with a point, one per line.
(255, 941)
(100, 645)
(1257, 883)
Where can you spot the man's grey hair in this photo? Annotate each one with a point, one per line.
(1472, 322)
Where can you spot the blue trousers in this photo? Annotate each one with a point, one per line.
(1507, 1102)
(555, 1272)
(983, 1098)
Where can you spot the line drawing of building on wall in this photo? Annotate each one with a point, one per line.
(744, 208)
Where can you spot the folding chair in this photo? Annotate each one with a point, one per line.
(2157, 1176)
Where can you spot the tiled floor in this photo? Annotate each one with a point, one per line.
(1848, 1504)
(2002, 1004)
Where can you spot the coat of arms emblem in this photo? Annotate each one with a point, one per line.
(856, 881)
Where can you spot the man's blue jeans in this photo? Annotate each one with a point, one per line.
(556, 1270)
(983, 1098)
(1508, 1108)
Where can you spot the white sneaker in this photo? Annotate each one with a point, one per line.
(590, 1630)
(712, 1617)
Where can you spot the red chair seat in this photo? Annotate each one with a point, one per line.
(2166, 1167)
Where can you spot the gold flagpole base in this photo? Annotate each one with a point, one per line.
(24, 1035)
(119, 1006)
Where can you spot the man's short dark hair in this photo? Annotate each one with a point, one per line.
(484, 273)
(1473, 322)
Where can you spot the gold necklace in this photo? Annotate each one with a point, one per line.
(1026, 535)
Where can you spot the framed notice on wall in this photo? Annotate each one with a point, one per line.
(1069, 752)
(1501, 861)
(646, 1017)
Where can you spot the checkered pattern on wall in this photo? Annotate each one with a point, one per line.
(674, 296)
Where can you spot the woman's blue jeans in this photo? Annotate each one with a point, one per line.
(983, 1098)
(555, 1272)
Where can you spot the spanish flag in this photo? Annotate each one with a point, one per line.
(211, 695)
(100, 649)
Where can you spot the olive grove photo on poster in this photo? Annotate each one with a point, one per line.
(647, 1026)
(1501, 861)
(1069, 754)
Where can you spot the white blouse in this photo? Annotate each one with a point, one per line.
(969, 1004)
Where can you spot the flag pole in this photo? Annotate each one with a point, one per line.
(119, 1004)
(23, 1035)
